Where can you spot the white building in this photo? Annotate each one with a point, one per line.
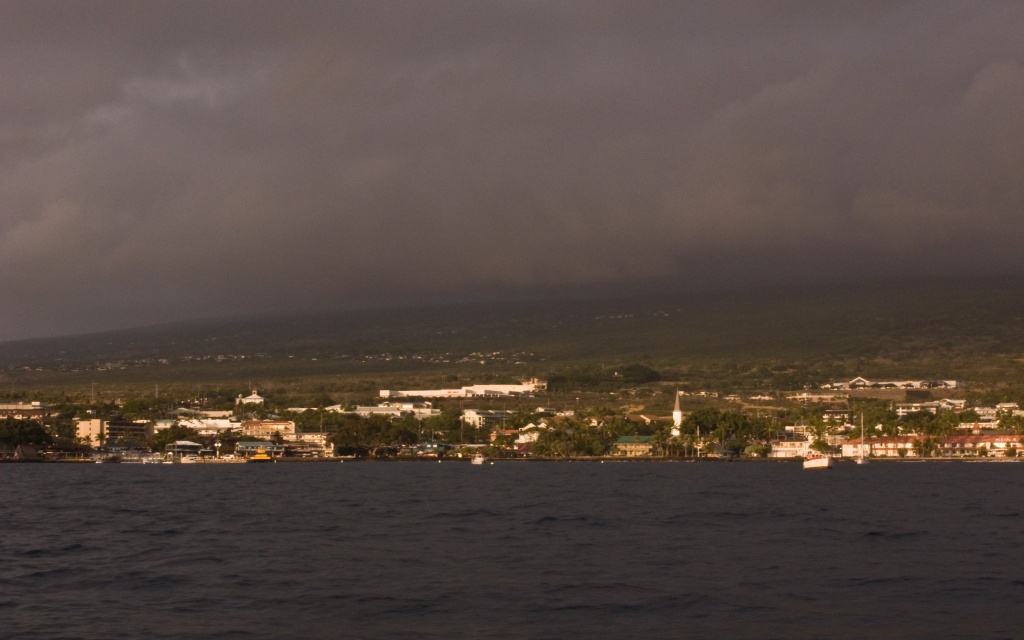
(530, 433)
(805, 397)
(253, 398)
(789, 448)
(209, 426)
(26, 410)
(392, 409)
(904, 408)
(864, 383)
(528, 386)
(479, 418)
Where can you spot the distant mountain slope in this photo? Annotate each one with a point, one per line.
(894, 321)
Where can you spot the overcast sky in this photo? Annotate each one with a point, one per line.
(171, 160)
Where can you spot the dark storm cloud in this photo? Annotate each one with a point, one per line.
(167, 160)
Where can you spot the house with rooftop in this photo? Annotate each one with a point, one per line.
(632, 446)
(253, 398)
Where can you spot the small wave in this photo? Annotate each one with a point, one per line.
(550, 519)
(465, 514)
(894, 535)
(867, 582)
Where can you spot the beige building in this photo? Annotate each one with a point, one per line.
(98, 432)
(945, 446)
(90, 431)
(267, 428)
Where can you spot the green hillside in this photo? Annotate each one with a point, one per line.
(970, 330)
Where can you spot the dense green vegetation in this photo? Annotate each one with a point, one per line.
(23, 432)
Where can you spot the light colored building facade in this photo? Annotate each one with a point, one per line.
(945, 446)
(26, 410)
(527, 387)
(210, 426)
(864, 383)
(98, 432)
(632, 446)
(484, 418)
(392, 409)
(268, 428)
(905, 408)
(253, 398)
(90, 432)
(790, 448)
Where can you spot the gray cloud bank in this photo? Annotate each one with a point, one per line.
(165, 160)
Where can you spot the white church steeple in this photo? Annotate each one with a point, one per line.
(677, 417)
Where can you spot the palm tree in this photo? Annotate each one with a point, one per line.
(659, 443)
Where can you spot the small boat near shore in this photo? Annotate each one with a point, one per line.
(818, 462)
(861, 459)
(478, 459)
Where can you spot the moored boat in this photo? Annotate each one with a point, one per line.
(862, 459)
(478, 459)
(818, 462)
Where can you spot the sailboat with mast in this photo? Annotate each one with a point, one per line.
(861, 459)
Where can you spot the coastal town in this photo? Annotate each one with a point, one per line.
(851, 419)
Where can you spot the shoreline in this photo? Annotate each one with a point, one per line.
(593, 459)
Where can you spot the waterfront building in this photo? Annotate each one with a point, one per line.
(790, 447)
(127, 431)
(98, 432)
(182, 448)
(90, 431)
(249, 448)
(268, 428)
(632, 446)
(960, 446)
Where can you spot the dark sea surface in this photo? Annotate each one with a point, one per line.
(512, 550)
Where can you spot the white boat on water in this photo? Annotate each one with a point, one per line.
(478, 459)
(818, 462)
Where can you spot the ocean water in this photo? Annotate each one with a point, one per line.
(512, 550)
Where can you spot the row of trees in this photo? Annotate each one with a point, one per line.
(14, 433)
